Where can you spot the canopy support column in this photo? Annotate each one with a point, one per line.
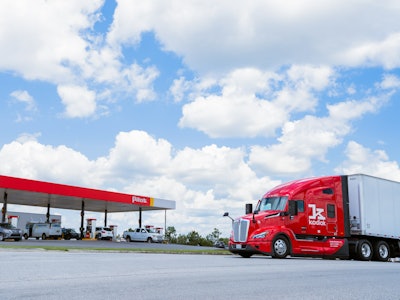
(105, 218)
(165, 222)
(140, 217)
(4, 209)
(48, 213)
(82, 229)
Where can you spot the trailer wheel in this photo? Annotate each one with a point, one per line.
(1, 237)
(43, 236)
(280, 247)
(364, 250)
(26, 236)
(381, 251)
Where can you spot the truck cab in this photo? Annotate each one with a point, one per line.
(300, 218)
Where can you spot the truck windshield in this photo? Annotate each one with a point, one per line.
(273, 203)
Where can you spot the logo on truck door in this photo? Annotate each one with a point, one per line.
(316, 217)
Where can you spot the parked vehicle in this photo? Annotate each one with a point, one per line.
(70, 233)
(143, 235)
(8, 231)
(104, 233)
(219, 244)
(354, 216)
(43, 230)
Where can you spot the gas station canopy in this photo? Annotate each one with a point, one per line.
(45, 194)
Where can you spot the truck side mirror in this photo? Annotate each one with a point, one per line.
(226, 214)
(293, 209)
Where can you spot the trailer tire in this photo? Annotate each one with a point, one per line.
(364, 250)
(280, 247)
(43, 236)
(1, 237)
(381, 251)
(26, 236)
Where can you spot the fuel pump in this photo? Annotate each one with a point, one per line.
(90, 228)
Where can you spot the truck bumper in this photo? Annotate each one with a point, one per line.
(246, 250)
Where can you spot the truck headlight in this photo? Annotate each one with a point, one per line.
(261, 235)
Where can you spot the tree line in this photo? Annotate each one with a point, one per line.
(194, 238)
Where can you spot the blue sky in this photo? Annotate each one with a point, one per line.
(206, 103)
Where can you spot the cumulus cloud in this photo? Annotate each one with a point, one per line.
(39, 51)
(78, 100)
(197, 179)
(272, 29)
(255, 103)
(27, 158)
(136, 152)
(367, 161)
(382, 52)
(310, 138)
(390, 81)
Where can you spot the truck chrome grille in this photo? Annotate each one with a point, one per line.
(240, 229)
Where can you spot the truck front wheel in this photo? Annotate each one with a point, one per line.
(280, 247)
(364, 250)
(381, 251)
(128, 239)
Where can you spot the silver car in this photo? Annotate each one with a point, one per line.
(8, 231)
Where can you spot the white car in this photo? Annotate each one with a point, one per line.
(104, 233)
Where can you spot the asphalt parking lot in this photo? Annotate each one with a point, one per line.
(41, 274)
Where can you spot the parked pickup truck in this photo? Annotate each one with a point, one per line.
(142, 235)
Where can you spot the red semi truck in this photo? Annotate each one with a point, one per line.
(350, 216)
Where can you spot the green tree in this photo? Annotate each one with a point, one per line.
(214, 236)
(194, 238)
(170, 234)
(182, 239)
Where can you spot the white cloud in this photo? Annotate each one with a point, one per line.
(39, 51)
(254, 103)
(26, 98)
(366, 161)
(78, 100)
(28, 158)
(203, 182)
(390, 81)
(381, 52)
(136, 153)
(310, 138)
(213, 36)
